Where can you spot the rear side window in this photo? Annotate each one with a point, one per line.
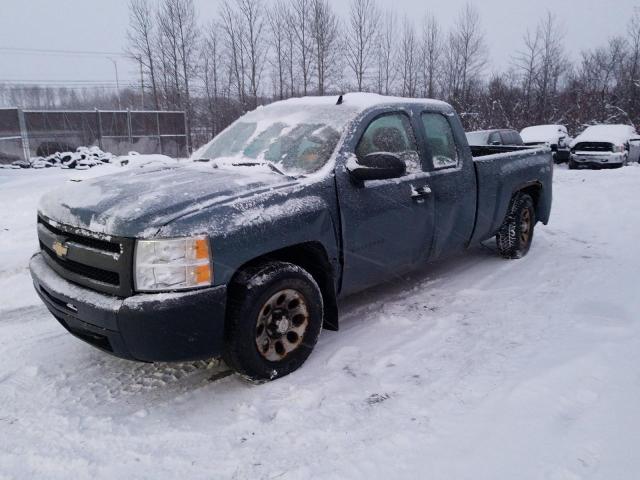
(494, 139)
(391, 133)
(440, 140)
(511, 137)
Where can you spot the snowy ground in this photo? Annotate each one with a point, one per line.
(476, 368)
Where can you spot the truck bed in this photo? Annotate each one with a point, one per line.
(499, 175)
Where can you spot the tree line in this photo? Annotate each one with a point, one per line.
(257, 51)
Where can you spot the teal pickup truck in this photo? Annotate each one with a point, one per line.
(243, 252)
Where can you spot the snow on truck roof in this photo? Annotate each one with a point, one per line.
(359, 101)
(606, 133)
(543, 133)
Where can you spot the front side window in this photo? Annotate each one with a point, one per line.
(391, 133)
(440, 140)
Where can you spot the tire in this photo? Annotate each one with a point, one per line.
(572, 165)
(273, 321)
(516, 233)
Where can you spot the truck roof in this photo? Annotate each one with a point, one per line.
(360, 101)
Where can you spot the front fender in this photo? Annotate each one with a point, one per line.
(244, 230)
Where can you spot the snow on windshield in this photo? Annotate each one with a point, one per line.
(297, 137)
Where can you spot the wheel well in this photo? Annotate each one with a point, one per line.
(314, 259)
(534, 192)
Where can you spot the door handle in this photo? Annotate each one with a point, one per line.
(420, 193)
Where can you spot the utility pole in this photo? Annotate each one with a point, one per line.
(115, 66)
(141, 84)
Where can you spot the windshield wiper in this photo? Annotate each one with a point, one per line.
(269, 164)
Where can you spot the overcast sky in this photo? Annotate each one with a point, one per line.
(100, 26)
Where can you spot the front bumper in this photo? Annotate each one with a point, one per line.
(613, 159)
(159, 327)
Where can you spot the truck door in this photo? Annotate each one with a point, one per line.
(453, 181)
(387, 225)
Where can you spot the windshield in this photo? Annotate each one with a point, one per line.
(478, 138)
(297, 140)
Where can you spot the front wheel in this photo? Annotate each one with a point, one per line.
(516, 233)
(274, 320)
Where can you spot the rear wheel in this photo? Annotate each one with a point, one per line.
(274, 320)
(516, 233)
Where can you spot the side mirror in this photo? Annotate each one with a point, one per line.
(377, 166)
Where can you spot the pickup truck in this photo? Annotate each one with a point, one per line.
(243, 252)
(556, 136)
(605, 146)
(494, 138)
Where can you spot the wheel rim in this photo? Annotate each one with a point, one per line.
(281, 324)
(525, 226)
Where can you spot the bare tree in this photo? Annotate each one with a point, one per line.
(362, 29)
(211, 65)
(140, 37)
(277, 20)
(232, 27)
(467, 55)
(387, 54)
(430, 55)
(300, 22)
(324, 30)
(633, 68)
(409, 67)
(169, 48)
(253, 17)
(177, 19)
(552, 64)
(527, 62)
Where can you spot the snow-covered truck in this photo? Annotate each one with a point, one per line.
(602, 146)
(243, 252)
(556, 136)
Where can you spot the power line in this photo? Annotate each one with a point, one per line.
(38, 80)
(43, 51)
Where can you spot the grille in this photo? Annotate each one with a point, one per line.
(102, 265)
(97, 274)
(593, 147)
(82, 240)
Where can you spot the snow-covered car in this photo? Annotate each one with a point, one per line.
(556, 136)
(496, 138)
(604, 146)
(244, 253)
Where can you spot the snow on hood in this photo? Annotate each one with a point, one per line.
(616, 134)
(543, 133)
(138, 202)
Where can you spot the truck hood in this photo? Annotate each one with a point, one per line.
(138, 202)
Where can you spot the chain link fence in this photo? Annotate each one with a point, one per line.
(34, 133)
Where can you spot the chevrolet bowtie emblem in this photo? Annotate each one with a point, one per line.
(60, 249)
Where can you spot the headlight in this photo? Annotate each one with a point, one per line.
(172, 264)
(618, 148)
